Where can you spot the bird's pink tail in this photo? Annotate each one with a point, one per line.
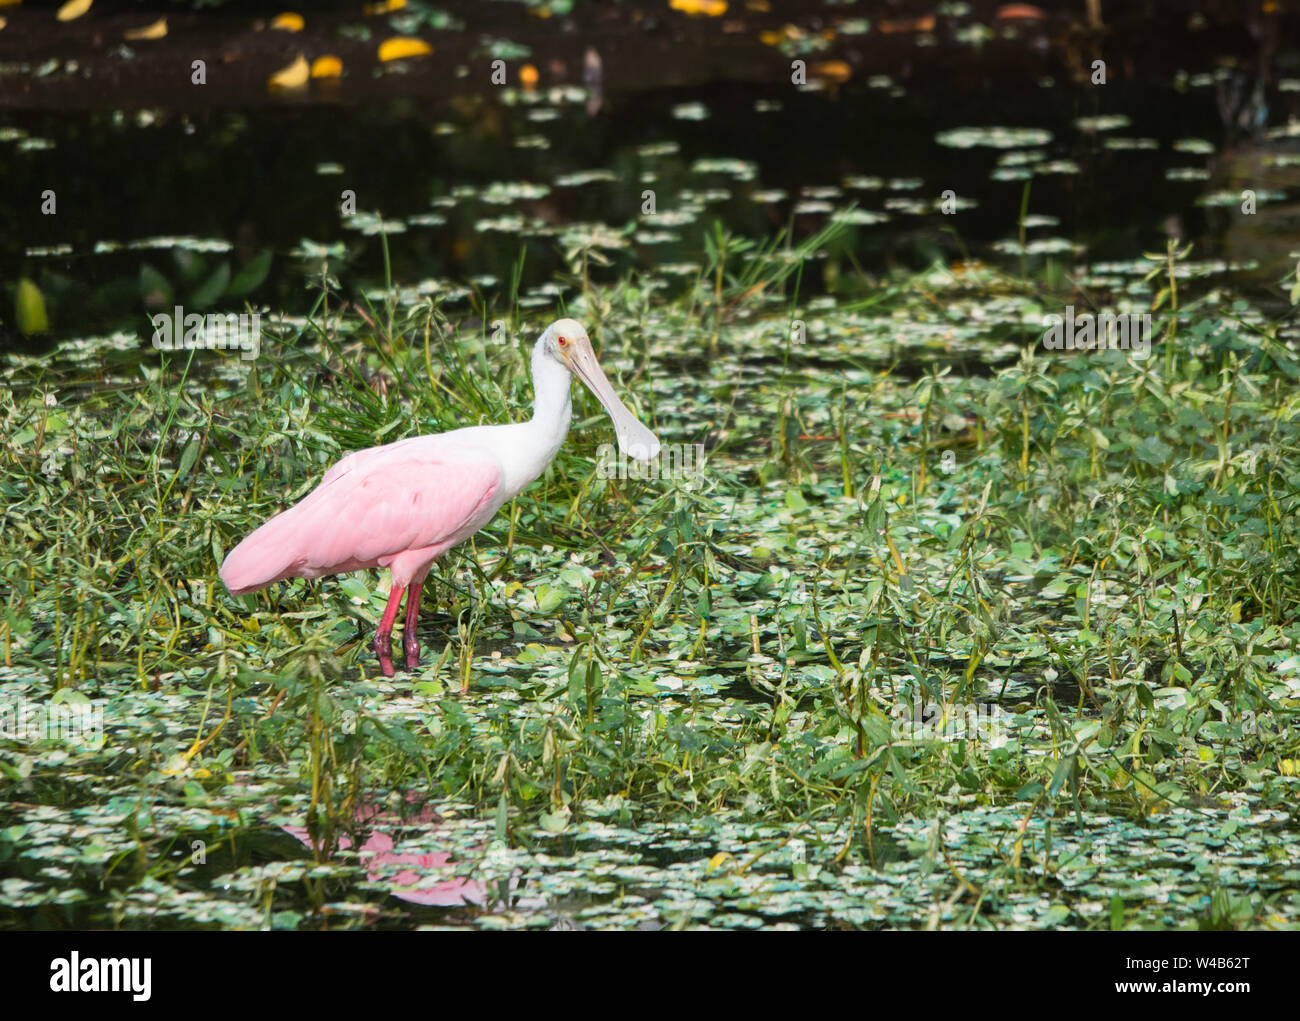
(267, 556)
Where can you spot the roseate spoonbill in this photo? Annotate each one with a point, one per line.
(402, 505)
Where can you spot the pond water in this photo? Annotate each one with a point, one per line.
(230, 192)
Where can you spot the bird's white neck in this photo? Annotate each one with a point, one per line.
(552, 409)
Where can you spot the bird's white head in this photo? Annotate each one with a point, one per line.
(567, 342)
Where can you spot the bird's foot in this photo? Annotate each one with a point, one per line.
(411, 646)
(383, 646)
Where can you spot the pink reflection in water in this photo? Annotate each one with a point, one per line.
(430, 878)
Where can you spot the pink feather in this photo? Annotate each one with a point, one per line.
(398, 506)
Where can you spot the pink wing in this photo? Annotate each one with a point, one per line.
(369, 509)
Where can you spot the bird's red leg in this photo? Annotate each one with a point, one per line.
(383, 644)
(410, 633)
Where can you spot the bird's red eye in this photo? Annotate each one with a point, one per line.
(562, 342)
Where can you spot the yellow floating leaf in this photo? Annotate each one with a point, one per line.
(385, 7)
(288, 22)
(30, 309)
(718, 860)
(327, 66)
(922, 24)
(528, 76)
(2, 23)
(835, 70)
(697, 8)
(400, 47)
(292, 77)
(155, 31)
(770, 38)
(73, 9)
(1019, 12)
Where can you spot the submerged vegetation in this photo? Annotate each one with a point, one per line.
(912, 647)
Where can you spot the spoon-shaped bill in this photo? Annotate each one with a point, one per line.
(634, 439)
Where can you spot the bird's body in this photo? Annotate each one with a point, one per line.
(404, 504)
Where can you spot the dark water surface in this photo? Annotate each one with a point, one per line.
(223, 194)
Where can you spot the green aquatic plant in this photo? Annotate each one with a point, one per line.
(918, 646)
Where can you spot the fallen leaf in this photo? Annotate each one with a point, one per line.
(73, 9)
(288, 22)
(697, 8)
(154, 31)
(925, 24)
(292, 77)
(401, 47)
(1011, 12)
(385, 7)
(835, 70)
(327, 66)
(30, 308)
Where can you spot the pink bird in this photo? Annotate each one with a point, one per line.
(403, 505)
